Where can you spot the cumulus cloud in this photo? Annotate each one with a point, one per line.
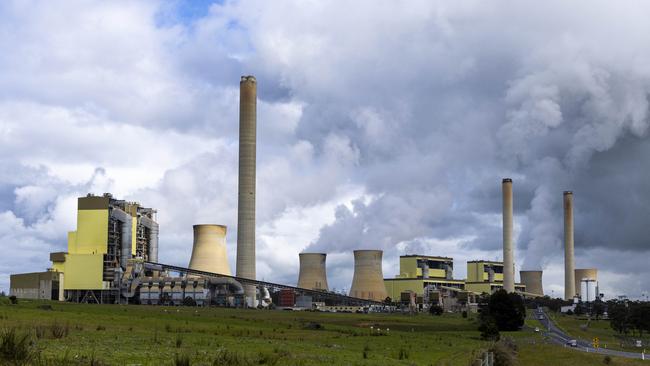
(379, 126)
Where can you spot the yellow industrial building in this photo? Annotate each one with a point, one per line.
(432, 276)
(109, 233)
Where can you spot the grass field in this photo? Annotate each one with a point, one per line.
(73, 334)
(601, 329)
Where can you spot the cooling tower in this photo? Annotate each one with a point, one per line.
(312, 274)
(246, 203)
(585, 274)
(209, 250)
(508, 262)
(533, 282)
(368, 279)
(569, 259)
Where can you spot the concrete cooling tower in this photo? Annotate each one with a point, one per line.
(368, 279)
(508, 247)
(590, 274)
(209, 250)
(313, 275)
(569, 258)
(246, 198)
(533, 282)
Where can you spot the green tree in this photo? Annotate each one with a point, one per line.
(507, 309)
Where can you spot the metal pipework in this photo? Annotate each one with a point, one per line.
(209, 249)
(153, 237)
(247, 166)
(508, 262)
(312, 275)
(368, 279)
(227, 281)
(533, 282)
(569, 256)
(127, 228)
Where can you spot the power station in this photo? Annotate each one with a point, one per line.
(112, 257)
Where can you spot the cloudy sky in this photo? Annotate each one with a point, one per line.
(381, 124)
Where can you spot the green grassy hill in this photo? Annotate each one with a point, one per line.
(69, 334)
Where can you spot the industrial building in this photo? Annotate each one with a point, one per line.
(429, 280)
(109, 233)
(37, 286)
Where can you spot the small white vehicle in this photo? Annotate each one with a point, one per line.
(537, 329)
(572, 343)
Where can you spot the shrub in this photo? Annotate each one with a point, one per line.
(488, 328)
(179, 341)
(436, 310)
(17, 348)
(188, 301)
(13, 299)
(607, 360)
(403, 354)
(507, 309)
(464, 314)
(55, 330)
(505, 352)
(59, 330)
(182, 360)
(313, 326)
(100, 327)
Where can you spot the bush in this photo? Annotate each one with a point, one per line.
(607, 360)
(55, 330)
(188, 301)
(179, 341)
(488, 328)
(464, 314)
(16, 348)
(313, 326)
(403, 354)
(505, 352)
(569, 312)
(13, 299)
(436, 310)
(59, 330)
(507, 309)
(181, 360)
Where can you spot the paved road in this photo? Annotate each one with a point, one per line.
(561, 338)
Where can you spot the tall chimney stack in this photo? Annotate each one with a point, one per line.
(508, 262)
(246, 204)
(569, 258)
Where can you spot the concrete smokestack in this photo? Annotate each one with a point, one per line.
(533, 282)
(313, 275)
(368, 279)
(247, 165)
(209, 249)
(569, 257)
(508, 262)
